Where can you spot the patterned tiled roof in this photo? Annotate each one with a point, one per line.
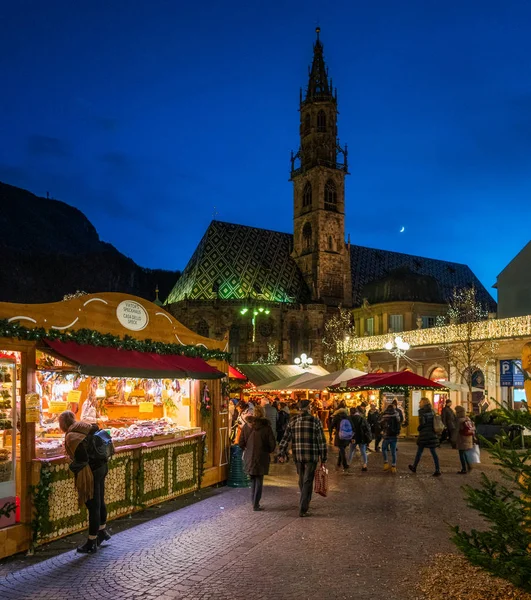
(369, 264)
(237, 262)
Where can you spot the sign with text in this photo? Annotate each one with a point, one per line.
(511, 374)
(132, 315)
(33, 408)
(145, 407)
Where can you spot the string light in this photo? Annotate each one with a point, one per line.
(491, 329)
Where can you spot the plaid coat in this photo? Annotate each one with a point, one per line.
(307, 437)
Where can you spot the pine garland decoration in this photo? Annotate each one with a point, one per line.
(108, 340)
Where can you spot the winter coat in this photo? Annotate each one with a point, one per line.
(282, 423)
(337, 417)
(464, 442)
(390, 414)
(427, 436)
(373, 418)
(271, 414)
(257, 441)
(362, 430)
(448, 418)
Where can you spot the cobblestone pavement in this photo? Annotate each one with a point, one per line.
(367, 539)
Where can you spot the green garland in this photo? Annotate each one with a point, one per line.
(201, 461)
(41, 504)
(108, 340)
(396, 389)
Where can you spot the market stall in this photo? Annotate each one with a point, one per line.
(405, 387)
(127, 365)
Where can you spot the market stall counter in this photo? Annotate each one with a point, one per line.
(160, 390)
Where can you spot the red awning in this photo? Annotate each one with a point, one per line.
(235, 374)
(113, 362)
(405, 379)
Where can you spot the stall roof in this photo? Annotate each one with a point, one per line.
(287, 383)
(235, 374)
(324, 381)
(400, 379)
(262, 374)
(100, 361)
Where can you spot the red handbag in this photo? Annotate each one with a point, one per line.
(321, 481)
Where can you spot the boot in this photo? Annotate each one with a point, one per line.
(393, 469)
(103, 536)
(412, 468)
(386, 466)
(89, 547)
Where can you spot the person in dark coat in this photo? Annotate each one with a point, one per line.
(257, 441)
(342, 444)
(374, 418)
(427, 437)
(362, 436)
(283, 420)
(449, 419)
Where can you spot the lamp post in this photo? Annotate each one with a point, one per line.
(397, 348)
(255, 313)
(304, 361)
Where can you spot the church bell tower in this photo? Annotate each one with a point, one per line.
(318, 172)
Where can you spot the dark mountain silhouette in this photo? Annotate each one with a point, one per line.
(49, 249)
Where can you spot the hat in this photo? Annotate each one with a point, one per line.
(304, 404)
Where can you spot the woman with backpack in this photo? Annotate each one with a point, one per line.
(342, 426)
(466, 431)
(362, 436)
(257, 441)
(428, 438)
(90, 469)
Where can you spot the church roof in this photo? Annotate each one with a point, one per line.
(237, 262)
(370, 264)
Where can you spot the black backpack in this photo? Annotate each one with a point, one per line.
(393, 426)
(100, 446)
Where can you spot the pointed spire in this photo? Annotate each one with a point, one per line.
(157, 300)
(319, 88)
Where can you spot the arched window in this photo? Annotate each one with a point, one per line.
(307, 124)
(202, 328)
(330, 243)
(330, 195)
(321, 121)
(307, 237)
(307, 194)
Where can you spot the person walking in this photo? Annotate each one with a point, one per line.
(449, 420)
(271, 414)
(361, 438)
(464, 438)
(373, 418)
(427, 437)
(344, 432)
(90, 470)
(306, 434)
(391, 430)
(257, 442)
(399, 411)
(282, 421)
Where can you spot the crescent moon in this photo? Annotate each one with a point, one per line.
(402, 230)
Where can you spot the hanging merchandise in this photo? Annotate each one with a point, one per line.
(206, 404)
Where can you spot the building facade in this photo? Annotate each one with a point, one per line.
(269, 294)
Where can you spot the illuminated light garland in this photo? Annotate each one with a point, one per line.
(107, 340)
(491, 329)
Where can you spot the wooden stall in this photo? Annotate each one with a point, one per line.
(160, 390)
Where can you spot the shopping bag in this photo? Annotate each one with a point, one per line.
(473, 455)
(321, 481)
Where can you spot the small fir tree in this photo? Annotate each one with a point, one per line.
(504, 548)
(339, 334)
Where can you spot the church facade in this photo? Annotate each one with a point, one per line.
(269, 294)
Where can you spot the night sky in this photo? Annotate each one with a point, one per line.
(152, 117)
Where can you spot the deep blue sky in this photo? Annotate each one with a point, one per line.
(152, 116)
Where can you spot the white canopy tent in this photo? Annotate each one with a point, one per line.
(323, 381)
(293, 383)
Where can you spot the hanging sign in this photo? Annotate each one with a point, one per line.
(145, 407)
(511, 373)
(57, 406)
(73, 396)
(33, 408)
(132, 315)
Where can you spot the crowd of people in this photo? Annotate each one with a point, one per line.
(265, 428)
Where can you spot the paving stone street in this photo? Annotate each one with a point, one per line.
(367, 539)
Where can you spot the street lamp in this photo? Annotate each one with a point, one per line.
(397, 348)
(255, 313)
(304, 361)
